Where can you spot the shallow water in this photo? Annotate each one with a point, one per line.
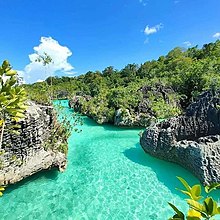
(108, 177)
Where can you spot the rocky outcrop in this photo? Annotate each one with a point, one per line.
(61, 94)
(77, 103)
(140, 116)
(124, 117)
(24, 154)
(191, 140)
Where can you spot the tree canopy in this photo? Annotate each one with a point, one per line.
(187, 71)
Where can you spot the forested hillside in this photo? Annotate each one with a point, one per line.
(156, 89)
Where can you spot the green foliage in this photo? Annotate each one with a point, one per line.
(38, 92)
(188, 72)
(197, 210)
(61, 131)
(45, 59)
(211, 187)
(179, 215)
(163, 109)
(194, 193)
(12, 98)
(207, 209)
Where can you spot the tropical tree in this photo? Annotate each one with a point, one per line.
(12, 98)
(187, 72)
(46, 59)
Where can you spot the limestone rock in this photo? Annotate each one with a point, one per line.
(123, 118)
(76, 102)
(191, 140)
(24, 154)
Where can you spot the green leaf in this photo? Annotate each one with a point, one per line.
(22, 106)
(192, 218)
(19, 115)
(12, 82)
(16, 119)
(11, 73)
(211, 206)
(16, 126)
(3, 99)
(14, 111)
(193, 215)
(179, 215)
(1, 122)
(1, 71)
(175, 217)
(2, 188)
(185, 184)
(211, 187)
(195, 205)
(14, 132)
(185, 192)
(196, 192)
(5, 64)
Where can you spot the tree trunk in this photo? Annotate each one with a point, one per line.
(2, 134)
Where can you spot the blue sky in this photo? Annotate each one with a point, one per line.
(103, 33)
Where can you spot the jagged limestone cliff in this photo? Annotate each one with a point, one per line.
(24, 154)
(191, 140)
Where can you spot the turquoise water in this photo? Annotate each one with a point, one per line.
(108, 177)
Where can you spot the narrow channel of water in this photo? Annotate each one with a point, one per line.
(108, 177)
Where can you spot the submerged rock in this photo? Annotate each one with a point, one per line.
(25, 154)
(191, 140)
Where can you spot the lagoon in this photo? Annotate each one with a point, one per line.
(108, 176)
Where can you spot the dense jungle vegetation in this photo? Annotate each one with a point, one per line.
(184, 72)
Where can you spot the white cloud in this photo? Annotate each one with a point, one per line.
(152, 30)
(70, 73)
(187, 43)
(216, 35)
(40, 80)
(59, 54)
(143, 2)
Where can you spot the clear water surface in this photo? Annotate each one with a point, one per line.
(108, 177)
